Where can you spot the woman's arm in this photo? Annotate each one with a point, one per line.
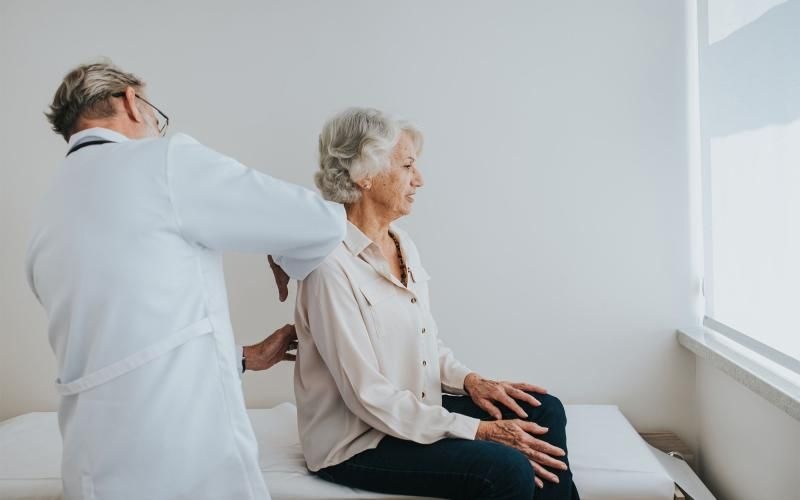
(340, 334)
(451, 371)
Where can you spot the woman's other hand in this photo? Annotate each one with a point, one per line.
(520, 434)
(485, 393)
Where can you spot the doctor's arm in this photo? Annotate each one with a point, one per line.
(269, 351)
(225, 206)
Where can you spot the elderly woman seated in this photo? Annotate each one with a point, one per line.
(383, 405)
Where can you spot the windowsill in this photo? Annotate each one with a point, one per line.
(773, 382)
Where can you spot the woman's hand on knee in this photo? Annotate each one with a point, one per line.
(486, 393)
(520, 434)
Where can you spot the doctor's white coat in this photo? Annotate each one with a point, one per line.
(126, 258)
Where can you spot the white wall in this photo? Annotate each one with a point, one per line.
(748, 448)
(555, 216)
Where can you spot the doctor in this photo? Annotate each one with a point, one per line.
(126, 259)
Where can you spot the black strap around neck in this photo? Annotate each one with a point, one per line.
(87, 143)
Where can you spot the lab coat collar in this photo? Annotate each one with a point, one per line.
(96, 133)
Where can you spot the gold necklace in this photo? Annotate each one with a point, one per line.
(403, 275)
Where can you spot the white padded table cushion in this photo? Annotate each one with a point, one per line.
(609, 459)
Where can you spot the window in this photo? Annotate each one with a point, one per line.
(750, 121)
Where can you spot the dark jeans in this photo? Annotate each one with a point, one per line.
(460, 468)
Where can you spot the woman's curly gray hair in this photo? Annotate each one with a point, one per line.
(354, 145)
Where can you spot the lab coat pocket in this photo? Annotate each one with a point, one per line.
(134, 360)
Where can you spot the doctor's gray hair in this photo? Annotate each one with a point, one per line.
(86, 91)
(354, 145)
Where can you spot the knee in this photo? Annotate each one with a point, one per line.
(552, 410)
(511, 475)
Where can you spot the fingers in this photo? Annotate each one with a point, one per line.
(287, 356)
(281, 279)
(488, 407)
(541, 458)
(290, 331)
(541, 472)
(542, 446)
(545, 459)
(522, 396)
(536, 480)
(529, 387)
(532, 428)
(512, 405)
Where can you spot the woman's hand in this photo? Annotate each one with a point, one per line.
(520, 434)
(485, 393)
(272, 349)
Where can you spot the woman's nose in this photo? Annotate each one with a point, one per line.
(418, 180)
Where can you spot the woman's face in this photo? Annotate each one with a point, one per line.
(393, 189)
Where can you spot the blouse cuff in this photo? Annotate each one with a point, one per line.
(464, 427)
(453, 380)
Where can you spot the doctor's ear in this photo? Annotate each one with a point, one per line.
(129, 103)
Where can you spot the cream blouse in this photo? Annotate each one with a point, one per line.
(369, 361)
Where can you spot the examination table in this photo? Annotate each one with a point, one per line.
(609, 459)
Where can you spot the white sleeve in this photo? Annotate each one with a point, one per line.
(341, 337)
(451, 371)
(29, 273)
(223, 205)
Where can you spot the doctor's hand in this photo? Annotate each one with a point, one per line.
(520, 434)
(281, 279)
(272, 349)
(485, 393)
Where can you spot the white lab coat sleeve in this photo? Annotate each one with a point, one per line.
(239, 355)
(341, 337)
(225, 206)
(29, 274)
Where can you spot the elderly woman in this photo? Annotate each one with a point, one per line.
(383, 405)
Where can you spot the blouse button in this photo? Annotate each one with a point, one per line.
(413, 300)
(424, 330)
(424, 363)
(423, 395)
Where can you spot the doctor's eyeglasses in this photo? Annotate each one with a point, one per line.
(162, 120)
